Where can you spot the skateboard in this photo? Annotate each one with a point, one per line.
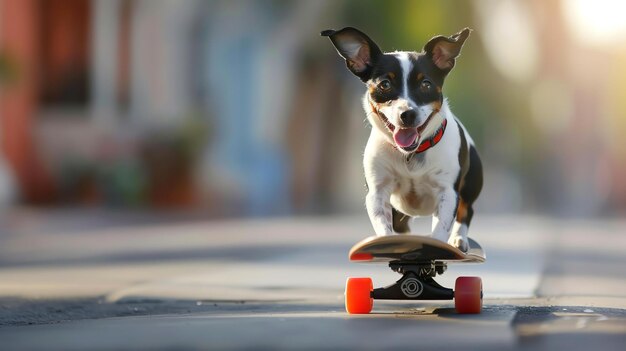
(419, 259)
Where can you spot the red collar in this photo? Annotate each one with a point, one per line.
(432, 141)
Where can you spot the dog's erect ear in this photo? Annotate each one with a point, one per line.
(357, 48)
(444, 50)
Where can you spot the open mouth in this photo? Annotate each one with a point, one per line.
(407, 138)
(388, 124)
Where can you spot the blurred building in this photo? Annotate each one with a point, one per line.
(134, 102)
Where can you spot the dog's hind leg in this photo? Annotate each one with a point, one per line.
(470, 189)
(458, 237)
(400, 222)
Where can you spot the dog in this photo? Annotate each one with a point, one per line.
(419, 159)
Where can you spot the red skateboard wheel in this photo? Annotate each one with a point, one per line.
(358, 295)
(468, 295)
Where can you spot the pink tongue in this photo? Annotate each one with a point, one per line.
(405, 137)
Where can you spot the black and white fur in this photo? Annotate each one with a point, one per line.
(405, 105)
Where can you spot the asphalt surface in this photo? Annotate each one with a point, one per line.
(104, 283)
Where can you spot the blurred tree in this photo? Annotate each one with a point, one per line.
(8, 69)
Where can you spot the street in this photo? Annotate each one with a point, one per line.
(278, 284)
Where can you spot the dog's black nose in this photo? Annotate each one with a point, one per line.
(408, 118)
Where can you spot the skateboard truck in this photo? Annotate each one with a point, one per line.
(430, 269)
(417, 283)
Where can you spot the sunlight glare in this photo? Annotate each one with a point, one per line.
(596, 21)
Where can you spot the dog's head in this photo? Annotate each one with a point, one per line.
(404, 89)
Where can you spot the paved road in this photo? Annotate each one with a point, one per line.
(277, 284)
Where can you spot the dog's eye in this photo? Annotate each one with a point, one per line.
(426, 85)
(384, 85)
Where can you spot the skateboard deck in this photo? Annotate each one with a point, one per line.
(413, 248)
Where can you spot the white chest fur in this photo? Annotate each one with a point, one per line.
(416, 187)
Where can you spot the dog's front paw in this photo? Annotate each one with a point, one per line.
(459, 242)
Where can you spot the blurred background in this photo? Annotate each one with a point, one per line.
(239, 108)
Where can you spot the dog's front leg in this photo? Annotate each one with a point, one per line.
(446, 212)
(379, 208)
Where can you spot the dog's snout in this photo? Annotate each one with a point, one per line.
(408, 118)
